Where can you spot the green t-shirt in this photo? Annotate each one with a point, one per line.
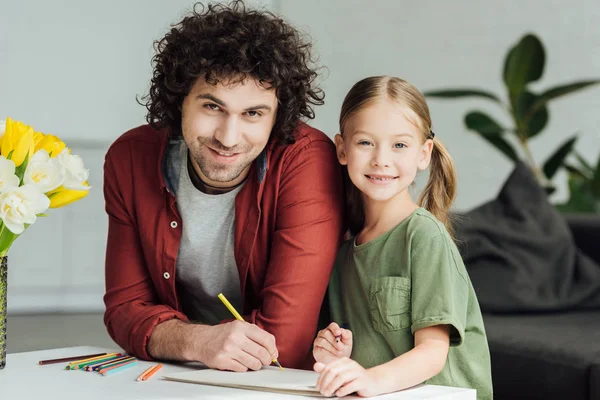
(410, 278)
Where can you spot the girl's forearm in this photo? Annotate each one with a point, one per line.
(413, 367)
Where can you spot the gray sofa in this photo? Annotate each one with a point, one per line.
(550, 355)
(536, 273)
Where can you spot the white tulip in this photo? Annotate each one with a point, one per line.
(20, 206)
(2, 127)
(43, 172)
(75, 173)
(8, 179)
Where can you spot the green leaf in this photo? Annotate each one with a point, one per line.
(556, 160)
(6, 239)
(524, 63)
(589, 170)
(482, 123)
(20, 170)
(558, 91)
(491, 131)
(581, 198)
(530, 123)
(501, 144)
(563, 89)
(572, 170)
(455, 93)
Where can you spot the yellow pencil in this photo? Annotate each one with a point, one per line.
(94, 358)
(239, 317)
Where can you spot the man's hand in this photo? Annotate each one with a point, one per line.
(235, 346)
(332, 343)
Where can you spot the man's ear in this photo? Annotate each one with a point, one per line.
(425, 154)
(340, 149)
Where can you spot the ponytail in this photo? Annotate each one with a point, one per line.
(439, 193)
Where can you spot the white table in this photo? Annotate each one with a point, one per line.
(23, 378)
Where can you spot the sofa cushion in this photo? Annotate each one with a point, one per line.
(545, 356)
(521, 255)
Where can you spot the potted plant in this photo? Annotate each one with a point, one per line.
(528, 110)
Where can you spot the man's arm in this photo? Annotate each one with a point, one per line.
(132, 306)
(305, 243)
(235, 346)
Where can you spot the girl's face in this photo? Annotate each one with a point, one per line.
(382, 150)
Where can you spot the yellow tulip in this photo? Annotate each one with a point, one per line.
(52, 144)
(18, 139)
(61, 197)
(37, 137)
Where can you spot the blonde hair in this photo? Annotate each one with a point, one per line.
(440, 191)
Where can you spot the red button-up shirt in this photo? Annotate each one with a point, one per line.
(288, 226)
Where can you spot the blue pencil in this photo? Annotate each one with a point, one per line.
(120, 368)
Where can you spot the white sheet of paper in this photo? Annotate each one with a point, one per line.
(271, 379)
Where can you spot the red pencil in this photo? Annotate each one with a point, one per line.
(60, 360)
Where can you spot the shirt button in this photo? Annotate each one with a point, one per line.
(173, 224)
(166, 275)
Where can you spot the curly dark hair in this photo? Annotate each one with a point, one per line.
(231, 42)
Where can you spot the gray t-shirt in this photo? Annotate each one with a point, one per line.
(205, 264)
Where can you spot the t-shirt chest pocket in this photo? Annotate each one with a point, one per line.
(389, 300)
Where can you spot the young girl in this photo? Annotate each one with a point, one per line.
(399, 284)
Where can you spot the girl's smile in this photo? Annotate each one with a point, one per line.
(383, 151)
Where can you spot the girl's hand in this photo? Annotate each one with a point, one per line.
(332, 343)
(345, 376)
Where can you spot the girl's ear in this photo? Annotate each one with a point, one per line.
(425, 155)
(340, 149)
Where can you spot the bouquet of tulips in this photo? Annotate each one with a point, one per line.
(37, 172)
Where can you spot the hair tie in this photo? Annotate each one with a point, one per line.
(431, 134)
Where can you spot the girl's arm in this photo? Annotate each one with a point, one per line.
(423, 362)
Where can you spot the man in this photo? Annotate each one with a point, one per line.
(224, 191)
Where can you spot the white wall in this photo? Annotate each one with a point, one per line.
(436, 44)
(73, 68)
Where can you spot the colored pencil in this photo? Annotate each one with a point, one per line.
(149, 374)
(94, 367)
(85, 364)
(93, 358)
(120, 368)
(237, 316)
(61, 360)
(116, 365)
(150, 368)
(91, 366)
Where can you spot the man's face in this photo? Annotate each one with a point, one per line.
(226, 126)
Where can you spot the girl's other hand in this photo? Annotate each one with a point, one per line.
(345, 376)
(332, 343)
